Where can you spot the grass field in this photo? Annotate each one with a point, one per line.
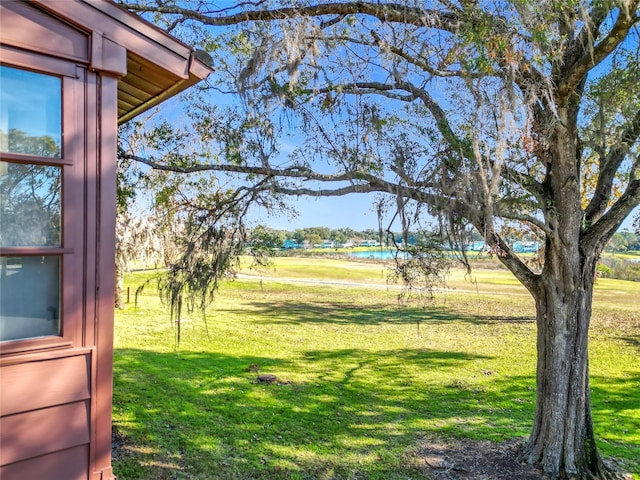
(363, 381)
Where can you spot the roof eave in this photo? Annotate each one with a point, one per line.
(198, 71)
(182, 69)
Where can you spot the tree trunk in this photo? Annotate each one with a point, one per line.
(562, 442)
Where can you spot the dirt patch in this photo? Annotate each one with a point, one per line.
(474, 460)
(118, 443)
(479, 460)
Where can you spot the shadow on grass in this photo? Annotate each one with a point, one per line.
(336, 413)
(202, 415)
(360, 415)
(616, 416)
(348, 313)
(633, 340)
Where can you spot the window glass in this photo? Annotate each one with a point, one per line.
(30, 113)
(30, 205)
(29, 297)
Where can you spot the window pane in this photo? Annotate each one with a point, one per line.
(30, 113)
(29, 297)
(30, 206)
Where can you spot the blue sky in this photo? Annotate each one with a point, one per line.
(355, 211)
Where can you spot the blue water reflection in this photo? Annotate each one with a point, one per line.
(386, 254)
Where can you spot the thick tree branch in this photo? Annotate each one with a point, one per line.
(360, 182)
(329, 192)
(382, 186)
(388, 12)
(585, 38)
(525, 181)
(590, 57)
(359, 178)
(291, 172)
(506, 256)
(364, 88)
(609, 167)
(605, 227)
(509, 214)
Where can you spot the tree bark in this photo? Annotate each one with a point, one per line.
(562, 442)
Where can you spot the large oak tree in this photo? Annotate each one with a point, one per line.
(496, 113)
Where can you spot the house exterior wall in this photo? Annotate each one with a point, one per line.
(55, 391)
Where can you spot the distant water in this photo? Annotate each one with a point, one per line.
(375, 254)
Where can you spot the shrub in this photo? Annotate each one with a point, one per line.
(619, 268)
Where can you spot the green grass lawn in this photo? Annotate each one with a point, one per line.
(362, 380)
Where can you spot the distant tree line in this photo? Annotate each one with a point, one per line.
(621, 242)
(624, 241)
(340, 236)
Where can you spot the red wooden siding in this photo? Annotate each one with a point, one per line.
(46, 422)
(70, 464)
(40, 432)
(32, 385)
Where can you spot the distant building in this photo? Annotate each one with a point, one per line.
(369, 243)
(517, 247)
(290, 244)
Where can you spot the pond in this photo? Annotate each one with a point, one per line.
(385, 254)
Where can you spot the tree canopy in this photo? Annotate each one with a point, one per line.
(499, 115)
(389, 94)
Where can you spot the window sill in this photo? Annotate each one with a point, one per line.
(18, 351)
